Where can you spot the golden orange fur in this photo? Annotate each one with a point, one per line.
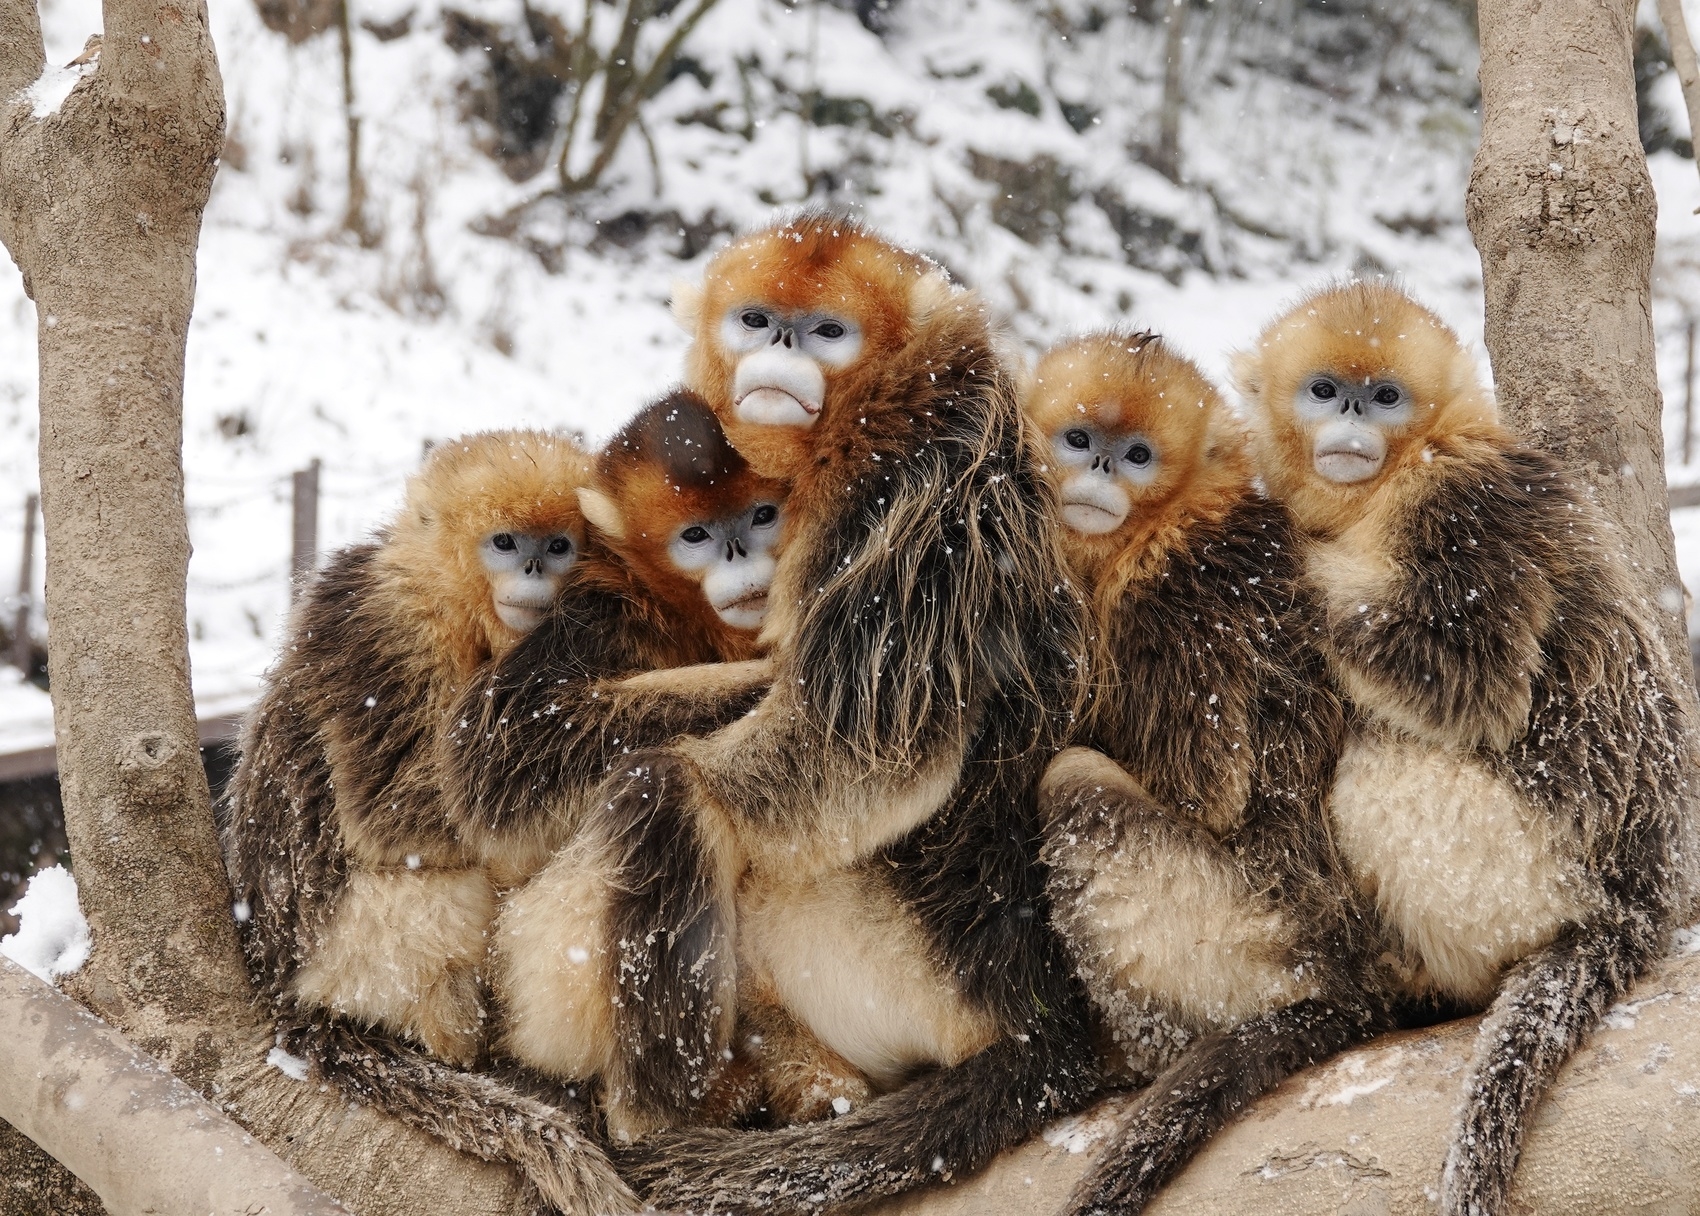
(1361, 330)
(812, 260)
(523, 481)
(1134, 381)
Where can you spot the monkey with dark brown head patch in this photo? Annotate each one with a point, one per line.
(364, 913)
(1190, 868)
(1516, 797)
(863, 846)
(650, 644)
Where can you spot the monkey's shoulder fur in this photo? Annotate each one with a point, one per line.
(1213, 692)
(336, 765)
(922, 580)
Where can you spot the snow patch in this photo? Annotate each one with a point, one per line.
(1081, 1132)
(53, 86)
(1625, 1015)
(52, 938)
(290, 1066)
(1328, 1090)
(1686, 941)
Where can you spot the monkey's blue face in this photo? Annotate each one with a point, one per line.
(525, 574)
(1348, 421)
(1102, 470)
(733, 559)
(783, 358)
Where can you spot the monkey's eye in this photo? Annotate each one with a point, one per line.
(1387, 395)
(753, 319)
(765, 515)
(694, 535)
(830, 330)
(1323, 390)
(503, 542)
(1077, 439)
(1139, 454)
(559, 545)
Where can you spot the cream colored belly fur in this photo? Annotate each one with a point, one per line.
(1469, 876)
(850, 963)
(403, 950)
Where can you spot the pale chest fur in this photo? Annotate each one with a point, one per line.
(1467, 876)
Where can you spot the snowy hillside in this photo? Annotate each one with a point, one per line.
(1001, 135)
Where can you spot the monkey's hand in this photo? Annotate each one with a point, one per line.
(704, 681)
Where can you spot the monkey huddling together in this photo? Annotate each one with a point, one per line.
(880, 749)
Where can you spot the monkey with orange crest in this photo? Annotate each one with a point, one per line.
(856, 859)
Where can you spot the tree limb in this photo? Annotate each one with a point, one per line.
(22, 56)
(138, 1136)
(1682, 58)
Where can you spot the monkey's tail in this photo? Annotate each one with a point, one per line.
(1546, 1005)
(1212, 1082)
(944, 1123)
(470, 1113)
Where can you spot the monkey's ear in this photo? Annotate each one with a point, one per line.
(928, 294)
(602, 512)
(687, 304)
(1246, 370)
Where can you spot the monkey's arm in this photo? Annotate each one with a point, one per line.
(945, 592)
(283, 856)
(1436, 608)
(546, 722)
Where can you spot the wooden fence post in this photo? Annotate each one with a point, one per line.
(26, 587)
(304, 548)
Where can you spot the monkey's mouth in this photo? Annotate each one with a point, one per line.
(518, 615)
(745, 612)
(778, 387)
(1344, 465)
(1093, 513)
(776, 407)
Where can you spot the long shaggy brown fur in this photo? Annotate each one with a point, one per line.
(927, 649)
(1474, 608)
(338, 776)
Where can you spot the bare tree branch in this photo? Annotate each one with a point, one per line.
(21, 53)
(1682, 57)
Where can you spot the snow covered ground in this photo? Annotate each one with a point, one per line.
(306, 345)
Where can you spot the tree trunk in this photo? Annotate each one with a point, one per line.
(100, 206)
(1562, 210)
(1166, 157)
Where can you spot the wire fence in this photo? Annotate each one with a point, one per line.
(301, 490)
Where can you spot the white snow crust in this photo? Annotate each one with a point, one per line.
(53, 86)
(52, 938)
